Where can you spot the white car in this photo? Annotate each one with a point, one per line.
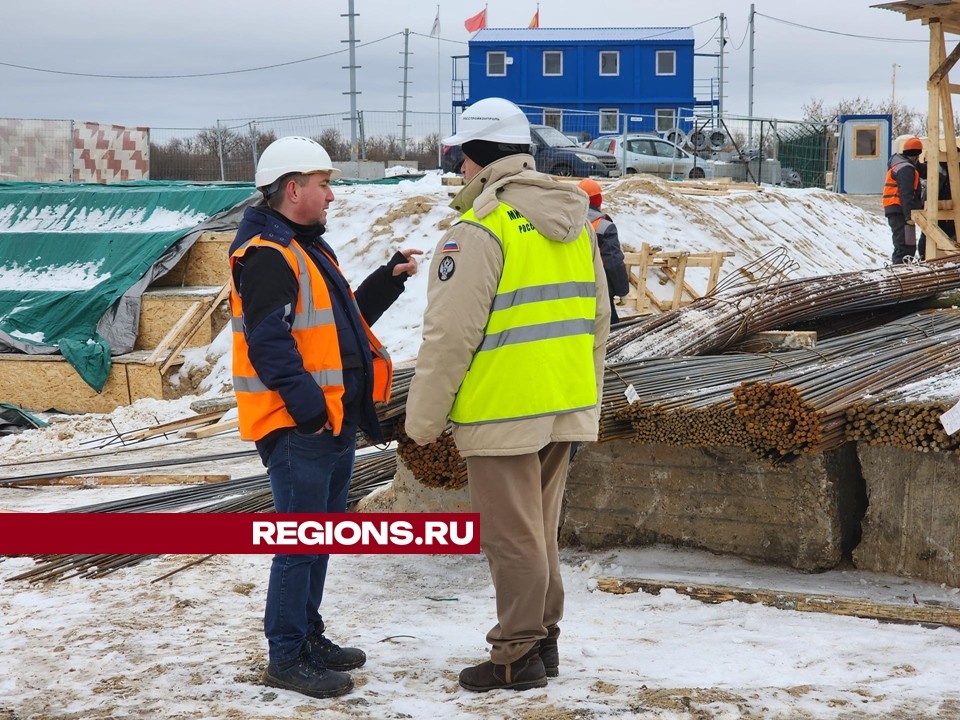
(653, 155)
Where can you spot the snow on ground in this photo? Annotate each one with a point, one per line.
(191, 646)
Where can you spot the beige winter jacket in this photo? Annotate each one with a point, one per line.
(458, 307)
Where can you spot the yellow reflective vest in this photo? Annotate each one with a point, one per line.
(536, 357)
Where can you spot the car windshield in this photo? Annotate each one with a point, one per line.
(554, 138)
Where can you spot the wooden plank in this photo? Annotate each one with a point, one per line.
(643, 294)
(679, 283)
(173, 426)
(175, 332)
(801, 602)
(942, 245)
(214, 429)
(700, 191)
(192, 329)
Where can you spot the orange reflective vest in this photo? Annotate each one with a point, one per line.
(262, 410)
(891, 190)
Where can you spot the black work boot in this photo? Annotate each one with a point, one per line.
(330, 654)
(305, 675)
(549, 653)
(522, 674)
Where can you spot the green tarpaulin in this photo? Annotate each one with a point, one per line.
(74, 259)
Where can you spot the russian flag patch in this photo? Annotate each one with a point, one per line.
(451, 246)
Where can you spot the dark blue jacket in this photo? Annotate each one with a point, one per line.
(268, 293)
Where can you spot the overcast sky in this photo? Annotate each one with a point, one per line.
(180, 37)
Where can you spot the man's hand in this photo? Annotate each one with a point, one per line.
(410, 266)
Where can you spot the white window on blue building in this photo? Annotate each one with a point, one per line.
(552, 63)
(609, 120)
(666, 119)
(666, 62)
(496, 64)
(553, 118)
(610, 62)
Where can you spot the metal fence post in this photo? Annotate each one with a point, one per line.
(362, 135)
(253, 145)
(220, 150)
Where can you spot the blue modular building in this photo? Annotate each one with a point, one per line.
(585, 80)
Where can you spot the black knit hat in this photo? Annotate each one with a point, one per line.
(484, 152)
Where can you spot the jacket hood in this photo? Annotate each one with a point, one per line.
(558, 210)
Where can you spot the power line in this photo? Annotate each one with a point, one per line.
(745, 31)
(836, 32)
(708, 40)
(191, 75)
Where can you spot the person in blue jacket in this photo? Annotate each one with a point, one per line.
(300, 397)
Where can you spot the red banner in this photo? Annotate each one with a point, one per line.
(238, 533)
(477, 22)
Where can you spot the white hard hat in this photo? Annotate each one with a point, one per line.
(293, 154)
(494, 120)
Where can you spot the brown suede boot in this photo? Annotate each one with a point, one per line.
(549, 653)
(522, 674)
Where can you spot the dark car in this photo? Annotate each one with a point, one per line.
(555, 154)
(451, 158)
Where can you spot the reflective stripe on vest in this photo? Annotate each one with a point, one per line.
(314, 331)
(891, 189)
(536, 357)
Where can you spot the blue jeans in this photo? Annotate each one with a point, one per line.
(308, 474)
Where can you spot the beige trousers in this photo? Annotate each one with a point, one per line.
(518, 498)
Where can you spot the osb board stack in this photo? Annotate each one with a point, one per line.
(205, 263)
(44, 382)
(162, 308)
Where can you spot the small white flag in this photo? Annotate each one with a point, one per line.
(435, 31)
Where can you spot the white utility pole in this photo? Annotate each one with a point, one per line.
(723, 41)
(750, 82)
(403, 112)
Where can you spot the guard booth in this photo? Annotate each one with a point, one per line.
(863, 151)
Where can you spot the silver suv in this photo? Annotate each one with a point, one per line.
(643, 153)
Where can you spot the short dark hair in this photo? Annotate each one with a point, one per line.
(272, 195)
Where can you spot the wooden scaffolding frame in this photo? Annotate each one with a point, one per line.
(941, 16)
(673, 265)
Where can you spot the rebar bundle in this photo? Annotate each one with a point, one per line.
(716, 321)
(909, 417)
(438, 464)
(808, 413)
(772, 404)
(243, 495)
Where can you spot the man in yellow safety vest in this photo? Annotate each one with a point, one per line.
(513, 344)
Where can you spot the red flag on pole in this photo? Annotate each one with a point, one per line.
(535, 22)
(477, 22)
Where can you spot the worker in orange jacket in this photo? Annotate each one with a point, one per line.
(608, 240)
(901, 196)
(307, 370)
